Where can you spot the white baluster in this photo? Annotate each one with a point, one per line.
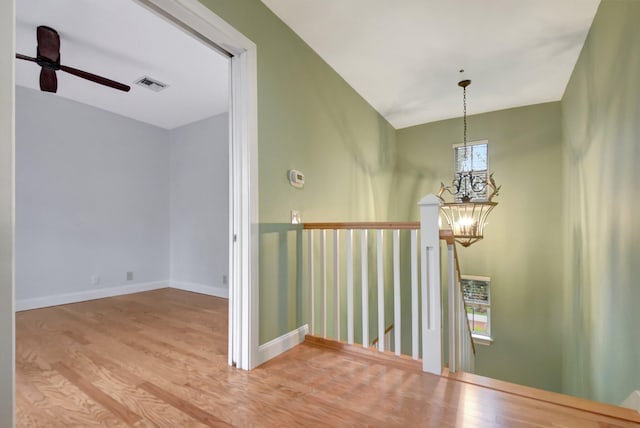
(463, 339)
(454, 330)
(336, 284)
(323, 279)
(312, 317)
(396, 291)
(380, 293)
(350, 286)
(364, 262)
(415, 326)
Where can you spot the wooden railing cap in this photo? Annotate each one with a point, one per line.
(364, 225)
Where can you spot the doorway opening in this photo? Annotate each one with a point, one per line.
(197, 20)
(201, 22)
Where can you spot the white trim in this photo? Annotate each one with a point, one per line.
(430, 285)
(244, 221)
(281, 344)
(633, 401)
(481, 340)
(192, 15)
(243, 206)
(7, 213)
(476, 278)
(209, 290)
(471, 143)
(82, 296)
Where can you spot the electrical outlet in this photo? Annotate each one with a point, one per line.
(129, 276)
(225, 281)
(95, 279)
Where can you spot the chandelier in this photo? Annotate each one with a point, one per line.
(472, 194)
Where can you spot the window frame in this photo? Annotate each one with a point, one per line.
(478, 196)
(484, 339)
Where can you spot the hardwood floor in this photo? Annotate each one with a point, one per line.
(159, 359)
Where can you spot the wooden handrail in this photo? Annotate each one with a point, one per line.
(387, 330)
(405, 225)
(445, 234)
(473, 345)
(455, 257)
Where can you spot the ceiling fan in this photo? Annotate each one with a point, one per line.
(48, 57)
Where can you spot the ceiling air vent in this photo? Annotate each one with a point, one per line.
(150, 83)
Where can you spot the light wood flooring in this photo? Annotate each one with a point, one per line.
(159, 359)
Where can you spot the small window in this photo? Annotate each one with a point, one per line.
(477, 300)
(473, 158)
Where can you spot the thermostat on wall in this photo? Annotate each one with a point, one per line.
(296, 178)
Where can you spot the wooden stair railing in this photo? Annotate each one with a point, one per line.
(374, 342)
(363, 225)
(321, 235)
(353, 232)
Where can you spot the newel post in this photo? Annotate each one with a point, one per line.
(430, 284)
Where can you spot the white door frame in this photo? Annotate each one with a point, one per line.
(243, 219)
(200, 21)
(243, 321)
(7, 227)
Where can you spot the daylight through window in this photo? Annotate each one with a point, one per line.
(477, 300)
(473, 158)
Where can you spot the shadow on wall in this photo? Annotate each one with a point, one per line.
(412, 179)
(280, 307)
(601, 131)
(369, 151)
(372, 150)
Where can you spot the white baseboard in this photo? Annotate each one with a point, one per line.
(209, 290)
(633, 401)
(281, 344)
(81, 296)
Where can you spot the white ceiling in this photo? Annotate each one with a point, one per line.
(123, 41)
(404, 56)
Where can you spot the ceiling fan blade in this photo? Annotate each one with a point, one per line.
(48, 80)
(95, 78)
(26, 58)
(48, 44)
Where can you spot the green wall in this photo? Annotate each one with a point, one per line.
(522, 249)
(309, 119)
(601, 124)
(555, 239)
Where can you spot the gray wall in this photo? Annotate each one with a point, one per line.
(601, 123)
(100, 194)
(92, 197)
(522, 249)
(7, 348)
(199, 202)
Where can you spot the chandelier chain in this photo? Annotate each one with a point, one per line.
(464, 103)
(472, 192)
